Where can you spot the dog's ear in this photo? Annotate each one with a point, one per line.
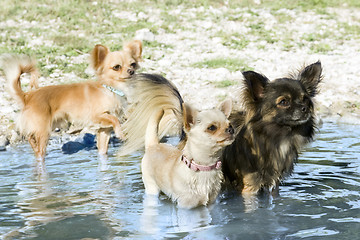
(135, 48)
(98, 55)
(255, 84)
(226, 107)
(189, 116)
(310, 77)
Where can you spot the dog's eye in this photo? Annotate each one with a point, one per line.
(117, 67)
(133, 65)
(212, 128)
(284, 103)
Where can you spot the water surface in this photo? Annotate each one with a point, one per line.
(83, 196)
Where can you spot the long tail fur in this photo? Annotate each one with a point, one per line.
(15, 65)
(151, 93)
(152, 129)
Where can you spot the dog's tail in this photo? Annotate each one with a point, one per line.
(15, 65)
(151, 93)
(152, 129)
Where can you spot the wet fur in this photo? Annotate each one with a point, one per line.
(86, 103)
(277, 122)
(163, 170)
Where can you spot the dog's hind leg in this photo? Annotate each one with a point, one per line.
(102, 140)
(38, 143)
(150, 184)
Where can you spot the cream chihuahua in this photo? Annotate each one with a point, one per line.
(191, 177)
(91, 103)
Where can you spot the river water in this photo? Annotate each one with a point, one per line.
(82, 196)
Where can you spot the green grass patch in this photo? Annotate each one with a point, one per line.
(232, 64)
(221, 97)
(234, 40)
(224, 83)
(288, 44)
(313, 37)
(320, 48)
(281, 17)
(72, 44)
(258, 29)
(350, 31)
(306, 5)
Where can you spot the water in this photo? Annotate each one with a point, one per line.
(83, 196)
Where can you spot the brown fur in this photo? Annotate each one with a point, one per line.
(208, 132)
(277, 122)
(87, 103)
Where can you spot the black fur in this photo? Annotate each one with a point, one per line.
(277, 122)
(157, 79)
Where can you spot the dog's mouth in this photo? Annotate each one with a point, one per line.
(298, 121)
(125, 78)
(226, 141)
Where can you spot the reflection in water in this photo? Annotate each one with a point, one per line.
(164, 217)
(84, 195)
(34, 197)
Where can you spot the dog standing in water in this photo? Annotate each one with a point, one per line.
(191, 177)
(87, 103)
(277, 122)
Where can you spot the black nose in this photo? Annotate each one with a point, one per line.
(130, 71)
(230, 130)
(304, 109)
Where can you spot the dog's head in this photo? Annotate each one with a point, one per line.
(284, 101)
(118, 65)
(210, 130)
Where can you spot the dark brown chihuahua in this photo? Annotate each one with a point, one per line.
(277, 122)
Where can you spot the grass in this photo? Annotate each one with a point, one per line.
(72, 27)
(224, 83)
(321, 48)
(307, 5)
(259, 30)
(232, 64)
(234, 40)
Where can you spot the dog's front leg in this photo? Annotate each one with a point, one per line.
(107, 120)
(190, 201)
(102, 140)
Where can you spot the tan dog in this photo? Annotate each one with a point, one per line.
(191, 177)
(88, 103)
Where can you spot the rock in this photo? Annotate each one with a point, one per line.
(4, 141)
(72, 147)
(15, 137)
(87, 141)
(145, 35)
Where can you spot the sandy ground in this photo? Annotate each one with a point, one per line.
(339, 97)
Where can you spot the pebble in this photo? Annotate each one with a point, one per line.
(3, 143)
(145, 35)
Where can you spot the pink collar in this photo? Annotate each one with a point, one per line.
(196, 167)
